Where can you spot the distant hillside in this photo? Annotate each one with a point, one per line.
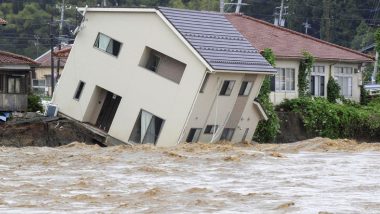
(350, 23)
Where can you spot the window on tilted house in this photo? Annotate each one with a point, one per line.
(245, 88)
(285, 79)
(211, 129)
(317, 81)
(204, 83)
(245, 134)
(107, 44)
(343, 76)
(227, 87)
(147, 128)
(194, 135)
(162, 65)
(79, 90)
(153, 62)
(227, 134)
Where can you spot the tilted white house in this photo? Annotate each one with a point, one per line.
(162, 76)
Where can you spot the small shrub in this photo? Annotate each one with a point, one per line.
(363, 95)
(333, 90)
(34, 103)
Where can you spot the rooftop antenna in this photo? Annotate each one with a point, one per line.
(238, 5)
(307, 26)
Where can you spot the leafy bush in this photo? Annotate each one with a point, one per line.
(363, 95)
(304, 71)
(34, 103)
(266, 131)
(333, 90)
(333, 120)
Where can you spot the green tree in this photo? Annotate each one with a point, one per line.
(304, 71)
(333, 90)
(267, 131)
(364, 36)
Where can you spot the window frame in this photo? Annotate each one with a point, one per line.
(225, 92)
(195, 136)
(204, 83)
(225, 134)
(151, 121)
(79, 90)
(148, 63)
(22, 84)
(345, 73)
(96, 44)
(242, 92)
(283, 79)
(318, 71)
(211, 129)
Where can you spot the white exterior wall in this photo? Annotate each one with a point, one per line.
(138, 87)
(214, 109)
(278, 96)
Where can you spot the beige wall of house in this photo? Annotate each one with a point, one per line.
(233, 111)
(41, 73)
(139, 87)
(279, 95)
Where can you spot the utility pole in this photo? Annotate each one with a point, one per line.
(280, 12)
(104, 3)
(374, 73)
(51, 53)
(221, 6)
(238, 6)
(62, 16)
(37, 43)
(307, 26)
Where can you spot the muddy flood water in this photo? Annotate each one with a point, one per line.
(315, 176)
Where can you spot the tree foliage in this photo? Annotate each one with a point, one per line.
(267, 131)
(304, 72)
(333, 90)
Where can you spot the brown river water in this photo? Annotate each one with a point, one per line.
(314, 176)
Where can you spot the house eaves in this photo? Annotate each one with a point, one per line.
(209, 36)
(289, 44)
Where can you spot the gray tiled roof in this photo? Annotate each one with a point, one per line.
(216, 40)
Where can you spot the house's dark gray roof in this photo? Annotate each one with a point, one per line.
(216, 40)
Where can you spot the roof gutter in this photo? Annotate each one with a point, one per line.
(248, 72)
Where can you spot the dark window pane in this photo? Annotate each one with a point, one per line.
(153, 62)
(242, 88)
(204, 82)
(147, 128)
(79, 90)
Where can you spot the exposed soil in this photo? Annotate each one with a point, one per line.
(42, 132)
